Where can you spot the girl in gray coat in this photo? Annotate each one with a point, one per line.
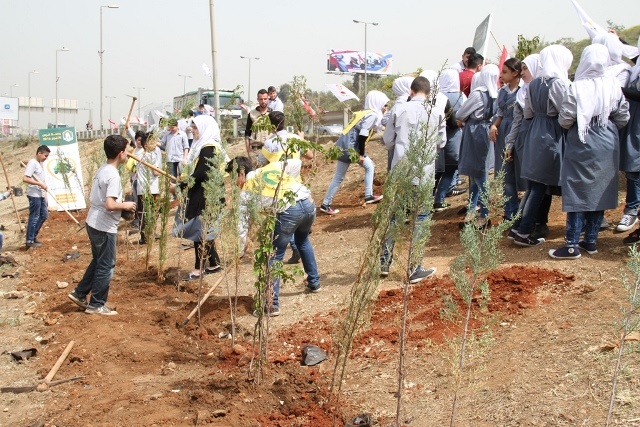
(593, 110)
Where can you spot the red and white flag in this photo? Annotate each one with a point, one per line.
(307, 107)
(114, 126)
(341, 92)
(503, 57)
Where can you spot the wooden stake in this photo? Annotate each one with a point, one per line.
(204, 298)
(150, 166)
(6, 175)
(61, 359)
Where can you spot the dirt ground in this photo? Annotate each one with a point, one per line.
(545, 355)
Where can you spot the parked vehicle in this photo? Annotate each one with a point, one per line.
(332, 129)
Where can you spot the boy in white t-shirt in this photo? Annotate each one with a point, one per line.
(102, 227)
(36, 193)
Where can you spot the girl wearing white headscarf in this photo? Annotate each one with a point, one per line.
(476, 152)
(630, 155)
(205, 151)
(355, 135)
(542, 152)
(402, 90)
(616, 66)
(514, 144)
(447, 162)
(593, 110)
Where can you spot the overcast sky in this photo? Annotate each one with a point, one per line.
(147, 43)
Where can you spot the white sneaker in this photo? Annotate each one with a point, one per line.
(627, 222)
(103, 310)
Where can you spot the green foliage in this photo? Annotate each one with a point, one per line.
(164, 206)
(24, 141)
(526, 46)
(630, 323)
(614, 27)
(469, 271)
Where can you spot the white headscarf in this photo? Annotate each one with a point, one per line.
(432, 76)
(376, 100)
(402, 87)
(533, 64)
(635, 71)
(595, 93)
(449, 81)
(555, 61)
(208, 133)
(616, 64)
(487, 80)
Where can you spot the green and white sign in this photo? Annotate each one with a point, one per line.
(63, 170)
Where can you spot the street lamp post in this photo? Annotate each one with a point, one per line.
(29, 95)
(111, 98)
(365, 50)
(184, 82)
(139, 88)
(249, 86)
(11, 89)
(100, 52)
(64, 49)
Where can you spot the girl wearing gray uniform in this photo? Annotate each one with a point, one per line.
(542, 152)
(592, 110)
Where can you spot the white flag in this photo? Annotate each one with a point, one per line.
(594, 30)
(206, 69)
(341, 92)
(481, 37)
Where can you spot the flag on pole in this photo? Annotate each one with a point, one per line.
(481, 38)
(307, 107)
(113, 124)
(594, 30)
(341, 92)
(503, 57)
(206, 69)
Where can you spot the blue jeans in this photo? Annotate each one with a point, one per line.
(530, 205)
(477, 185)
(98, 275)
(341, 171)
(444, 186)
(389, 242)
(633, 193)
(173, 168)
(510, 190)
(296, 221)
(38, 214)
(575, 222)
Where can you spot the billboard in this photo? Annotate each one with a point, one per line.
(8, 108)
(63, 170)
(353, 61)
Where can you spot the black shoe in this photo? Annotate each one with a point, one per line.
(512, 235)
(540, 232)
(527, 241)
(212, 269)
(142, 241)
(439, 207)
(589, 248)
(295, 257)
(632, 238)
(456, 192)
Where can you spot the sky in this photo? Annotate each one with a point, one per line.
(149, 43)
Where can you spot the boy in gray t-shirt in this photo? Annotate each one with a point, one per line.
(102, 227)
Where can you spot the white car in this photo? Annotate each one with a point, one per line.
(333, 129)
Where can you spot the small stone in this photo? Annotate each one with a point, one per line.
(42, 387)
(171, 365)
(50, 322)
(5, 410)
(99, 374)
(74, 247)
(155, 396)
(62, 285)
(238, 349)
(222, 335)
(15, 295)
(219, 413)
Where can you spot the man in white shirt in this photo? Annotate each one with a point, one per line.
(274, 102)
(176, 145)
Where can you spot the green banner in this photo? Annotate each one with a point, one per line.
(57, 136)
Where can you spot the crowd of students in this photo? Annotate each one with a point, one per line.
(549, 135)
